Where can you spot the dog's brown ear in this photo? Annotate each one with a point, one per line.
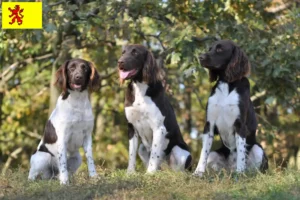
(62, 79)
(238, 66)
(95, 81)
(151, 72)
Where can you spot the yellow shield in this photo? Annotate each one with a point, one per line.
(22, 15)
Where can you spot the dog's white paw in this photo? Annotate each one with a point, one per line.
(32, 177)
(150, 172)
(130, 171)
(64, 182)
(198, 174)
(240, 170)
(64, 179)
(151, 169)
(93, 175)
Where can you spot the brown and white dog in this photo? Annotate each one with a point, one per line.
(149, 114)
(230, 113)
(70, 125)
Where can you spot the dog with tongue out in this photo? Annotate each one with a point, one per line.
(126, 74)
(149, 114)
(132, 64)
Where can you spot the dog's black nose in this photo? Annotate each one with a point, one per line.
(78, 77)
(202, 57)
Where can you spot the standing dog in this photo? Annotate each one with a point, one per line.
(70, 125)
(230, 113)
(149, 113)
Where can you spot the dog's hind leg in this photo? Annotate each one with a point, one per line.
(144, 154)
(180, 159)
(51, 172)
(40, 163)
(74, 162)
(216, 161)
(257, 159)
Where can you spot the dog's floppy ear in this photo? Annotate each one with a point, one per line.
(94, 82)
(62, 79)
(151, 70)
(238, 66)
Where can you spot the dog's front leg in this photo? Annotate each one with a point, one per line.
(87, 146)
(159, 144)
(207, 140)
(240, 139)
(133, 146)
(241, 153)
(62, 162)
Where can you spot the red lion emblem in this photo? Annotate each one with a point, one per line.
(15, 14)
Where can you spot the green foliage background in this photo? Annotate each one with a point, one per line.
(177, 32)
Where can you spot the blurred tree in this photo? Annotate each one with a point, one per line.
(177, 32)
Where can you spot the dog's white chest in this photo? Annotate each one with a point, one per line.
(73, 119)
(76, 108)
(223, 110)
(76, 134)
(144, 115)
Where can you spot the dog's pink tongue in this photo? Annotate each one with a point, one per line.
(76, 86)
(124, 74)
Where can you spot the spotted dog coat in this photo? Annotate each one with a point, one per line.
(150, 115)
(230, 113)
(69, 126)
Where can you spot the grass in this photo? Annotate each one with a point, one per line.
(162, 185)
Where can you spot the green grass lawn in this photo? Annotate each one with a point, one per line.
(163, 185)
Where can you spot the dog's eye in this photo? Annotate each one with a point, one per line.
(123, 52)
(84, 67)
(72, 68)
(209, 49)
(134, 52)
(219, 50)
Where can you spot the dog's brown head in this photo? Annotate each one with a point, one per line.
(138, 63)
(77, 75)
(225, 59)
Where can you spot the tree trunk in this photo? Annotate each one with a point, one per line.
(54, 93)
(188, 107)
(1, 101)
(1, 87)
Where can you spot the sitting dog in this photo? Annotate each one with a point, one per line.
(70, 125)
(230, 113)
(149, 113)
